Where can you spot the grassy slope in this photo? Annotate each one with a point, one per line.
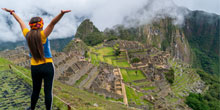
(77, 98)
(134, 96)
(19, 88)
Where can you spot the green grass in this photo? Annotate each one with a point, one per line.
(106, 54)
(80, 80)
(134, 96)
(109, 60)
(83, 100)
(105, 51)
(140, 83)
(94, 59)
(130, 75)
(4, 64)
(122, 64)
(149, 88)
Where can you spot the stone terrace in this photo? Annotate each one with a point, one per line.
(107, 83)
(123, 44)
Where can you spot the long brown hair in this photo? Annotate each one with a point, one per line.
(34, 41)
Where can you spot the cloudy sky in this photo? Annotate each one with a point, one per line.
(104, 13)
(211, 6)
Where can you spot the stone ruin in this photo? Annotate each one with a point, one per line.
(19, 56)
(75, 71)
(150, 56)
(107, 83)
(123, 44)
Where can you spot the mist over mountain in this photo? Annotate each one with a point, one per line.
(104, 14)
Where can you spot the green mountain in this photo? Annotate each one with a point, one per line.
(56, 44)
(196, 42)
(88, 33)
(203, 33)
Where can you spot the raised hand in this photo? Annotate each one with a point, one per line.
(7, 10)
(65, 11)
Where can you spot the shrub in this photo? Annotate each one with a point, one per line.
(135, 60)
(170, 76)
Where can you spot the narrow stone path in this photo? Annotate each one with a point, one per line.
(125, 99)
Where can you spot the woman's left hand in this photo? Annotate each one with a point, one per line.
(7, 10)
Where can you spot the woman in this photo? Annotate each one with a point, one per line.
(41, 59)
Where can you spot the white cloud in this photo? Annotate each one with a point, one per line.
(211, 6)
(104, 13)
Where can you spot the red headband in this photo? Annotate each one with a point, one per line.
(37, 25)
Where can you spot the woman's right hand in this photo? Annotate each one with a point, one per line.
(65, 11)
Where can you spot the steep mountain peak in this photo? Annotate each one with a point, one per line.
(85, 28)
(89, 33)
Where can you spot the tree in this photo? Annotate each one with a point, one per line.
(135, 60)
(197, 102)
(170, 76)
(117, 52)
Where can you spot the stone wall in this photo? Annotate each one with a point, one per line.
(107, 82)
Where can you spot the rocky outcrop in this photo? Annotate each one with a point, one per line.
(167, 37)
(203, 30)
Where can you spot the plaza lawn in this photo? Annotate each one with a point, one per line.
(109, 60)
(130, 75)
(120, 63)
(105, 51)
(106, 54)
